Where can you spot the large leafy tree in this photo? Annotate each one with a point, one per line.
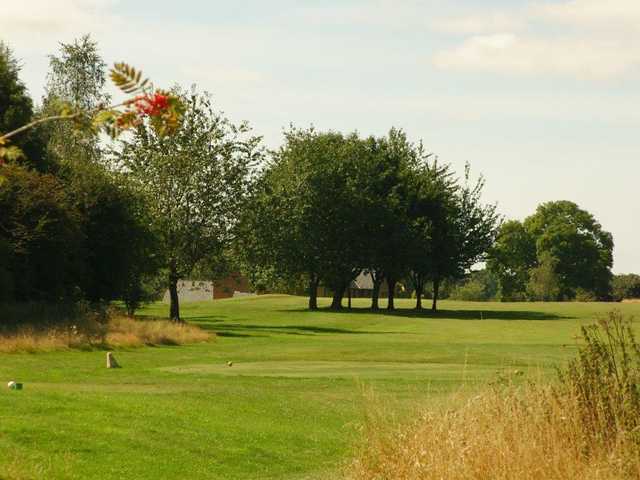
(462, 231)
(307, 215)
(385, 190)
(430, 216)
(194, 183)
(582, 250)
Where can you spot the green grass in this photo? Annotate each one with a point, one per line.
(290, 405)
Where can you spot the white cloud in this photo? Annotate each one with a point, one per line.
(510, 53)
(41, 18)
(480, 23)
(611, 14)
(598, 44)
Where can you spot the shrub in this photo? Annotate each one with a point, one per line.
(605, 380)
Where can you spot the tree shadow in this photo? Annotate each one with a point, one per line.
(234, 329)
(447, 314)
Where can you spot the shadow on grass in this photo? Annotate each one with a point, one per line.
(239, 330)
(445, 314)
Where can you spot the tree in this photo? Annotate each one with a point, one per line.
(41, 236)
(16, 109)
(384, 189)
(625, 286)
(307, 214)
(462, 235)
(194, 182)
(119, 245)
(431, 208)
(512, 257)
(76, 81)
(583, 250)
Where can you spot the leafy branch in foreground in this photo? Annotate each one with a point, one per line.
(161, 108)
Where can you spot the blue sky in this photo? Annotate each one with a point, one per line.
(539, 96)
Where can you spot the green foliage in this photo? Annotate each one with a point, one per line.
(329, 206)
(625, 286)
(127, 78)
(544, 282)
(456, 229)
(16, 109)
(41, 236)
(119, 248)
(605, 379)
(305, 215)
(75, 84)
(511, 258)
(479, 286)
(193, 183)
(581, 249)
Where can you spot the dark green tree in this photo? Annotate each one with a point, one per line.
(384, 188)
(582, 249)
(40, 235)
(307, 214)
(432, 207)
(462, 234)
(16, 109)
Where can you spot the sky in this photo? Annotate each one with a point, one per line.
(539, 96)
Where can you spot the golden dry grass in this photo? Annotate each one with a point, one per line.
(511, 434)
(119, 332)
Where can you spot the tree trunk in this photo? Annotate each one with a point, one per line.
(419, 290)
(436, 288)
(313, 292)
(338, 294)
(375, 295)
(391, 285)
(174, 308)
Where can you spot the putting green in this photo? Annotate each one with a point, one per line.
(327, 369)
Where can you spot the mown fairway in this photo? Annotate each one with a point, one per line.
(290, 405)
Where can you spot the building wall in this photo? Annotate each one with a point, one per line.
(233, 285)
(192, 291)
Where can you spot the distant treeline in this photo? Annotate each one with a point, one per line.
(86, 220)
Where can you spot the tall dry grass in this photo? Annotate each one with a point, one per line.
(519, 434)
(586, 426)
(116, 331)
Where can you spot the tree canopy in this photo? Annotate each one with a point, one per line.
(559, 252)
